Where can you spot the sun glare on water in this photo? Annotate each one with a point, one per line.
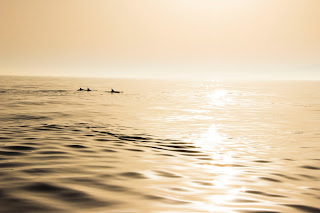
(214, 143)
(219, 97)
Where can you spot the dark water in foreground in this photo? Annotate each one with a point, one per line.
(161, 146)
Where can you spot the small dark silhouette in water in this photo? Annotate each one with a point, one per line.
(80, 89)
(113, 91)
(88, 89)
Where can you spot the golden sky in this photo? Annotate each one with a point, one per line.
(159, 38)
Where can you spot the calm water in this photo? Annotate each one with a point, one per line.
(160, 146)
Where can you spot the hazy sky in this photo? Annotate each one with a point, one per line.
(161, 38)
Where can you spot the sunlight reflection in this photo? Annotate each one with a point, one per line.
(219, 97)
(225, 182)
(210, 139)
(215, 144)
(217, 203)
(230, 195)
(225, 178)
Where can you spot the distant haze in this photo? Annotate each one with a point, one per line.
(206, 39)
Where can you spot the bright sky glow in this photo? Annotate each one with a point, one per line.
(234, 39)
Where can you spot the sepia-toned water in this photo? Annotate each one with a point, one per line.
(160, 146)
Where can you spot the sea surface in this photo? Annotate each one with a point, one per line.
(159, 146)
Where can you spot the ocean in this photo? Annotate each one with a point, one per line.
(159, 145)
